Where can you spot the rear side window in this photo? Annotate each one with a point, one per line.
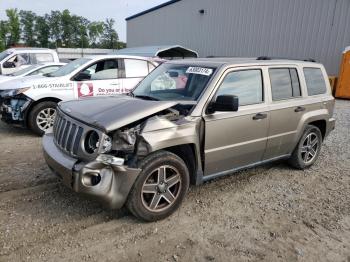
(284, 83)
(38, 58)
(135, 68)
(315, 82)
(246, 84)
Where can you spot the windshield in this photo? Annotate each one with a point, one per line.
(4, 54)
(174, 82)
(24, 70)
(69, 68)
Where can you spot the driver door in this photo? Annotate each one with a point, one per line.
(237, 139)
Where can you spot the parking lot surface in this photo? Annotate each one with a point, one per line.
(267, 213)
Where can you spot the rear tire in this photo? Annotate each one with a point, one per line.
(308, 149)
(160, 187)
(42, 117)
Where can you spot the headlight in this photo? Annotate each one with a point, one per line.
(106, 144)
(91, 142)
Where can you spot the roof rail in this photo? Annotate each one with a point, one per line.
(272, 58)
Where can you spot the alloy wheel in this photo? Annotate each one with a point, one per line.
(161, 189)
(45, 118)
(309, 148)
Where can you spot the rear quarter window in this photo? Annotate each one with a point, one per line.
(315, 81)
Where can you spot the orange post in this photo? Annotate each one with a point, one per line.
(343, 86)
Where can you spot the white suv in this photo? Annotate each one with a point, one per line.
(31, 101)
(14, 59)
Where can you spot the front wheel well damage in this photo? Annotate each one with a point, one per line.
(187, 154)
(34, 103)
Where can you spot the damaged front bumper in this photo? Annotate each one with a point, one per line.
(107, 183)
(14, 109)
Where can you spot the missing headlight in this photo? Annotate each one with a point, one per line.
(91, 143)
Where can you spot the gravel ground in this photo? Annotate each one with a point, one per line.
(268, 213)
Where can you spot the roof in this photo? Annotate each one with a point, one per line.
(241, 61)
(152, 9)
(159, 51)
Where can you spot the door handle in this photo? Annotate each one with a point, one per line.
(299, 109)
(259, 116)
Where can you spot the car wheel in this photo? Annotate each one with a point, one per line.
(308, 148)
(42, 117)
(160, 188)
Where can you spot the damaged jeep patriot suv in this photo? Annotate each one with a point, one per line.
(188, 122)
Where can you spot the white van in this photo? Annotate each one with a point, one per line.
(31, 101)
(15, 59)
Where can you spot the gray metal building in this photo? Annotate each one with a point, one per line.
(318, 29)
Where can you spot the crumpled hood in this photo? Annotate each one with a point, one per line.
(111, 113)
(26, 81)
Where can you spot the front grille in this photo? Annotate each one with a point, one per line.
(67, 134)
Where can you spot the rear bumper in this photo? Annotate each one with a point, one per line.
(330, 126)
(114, 182)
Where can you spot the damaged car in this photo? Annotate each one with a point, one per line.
(31, 101)
(188, 122)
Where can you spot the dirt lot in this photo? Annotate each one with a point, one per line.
(267, 213)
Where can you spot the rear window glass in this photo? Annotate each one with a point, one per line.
(315, 81)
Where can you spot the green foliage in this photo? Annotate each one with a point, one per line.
(57, 29)
(14, 29)
(27, 19)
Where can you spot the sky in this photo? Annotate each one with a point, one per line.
(93, 10)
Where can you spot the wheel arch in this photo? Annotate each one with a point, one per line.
(187, 153)
(320, 124)
(34, 103)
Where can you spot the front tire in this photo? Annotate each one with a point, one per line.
(42, 117)
(160, 188)
(308, 149)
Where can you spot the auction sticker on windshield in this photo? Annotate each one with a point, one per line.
(199, 71)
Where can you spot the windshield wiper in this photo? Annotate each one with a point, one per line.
(147, 97)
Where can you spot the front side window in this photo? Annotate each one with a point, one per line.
(175, 82)
(284, 83)
(102, 70)
(315, 82)
(246, 84)
(135, 68)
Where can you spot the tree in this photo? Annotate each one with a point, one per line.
(95, 31)
(42, 30)
(27, 21)
(110, 36)
(55, 26)
(3, 33)
(13, 26)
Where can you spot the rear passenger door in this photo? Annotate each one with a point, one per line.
(286, 110)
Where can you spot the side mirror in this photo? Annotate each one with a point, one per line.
(81, 76)
(8, 65)
(224, 103)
